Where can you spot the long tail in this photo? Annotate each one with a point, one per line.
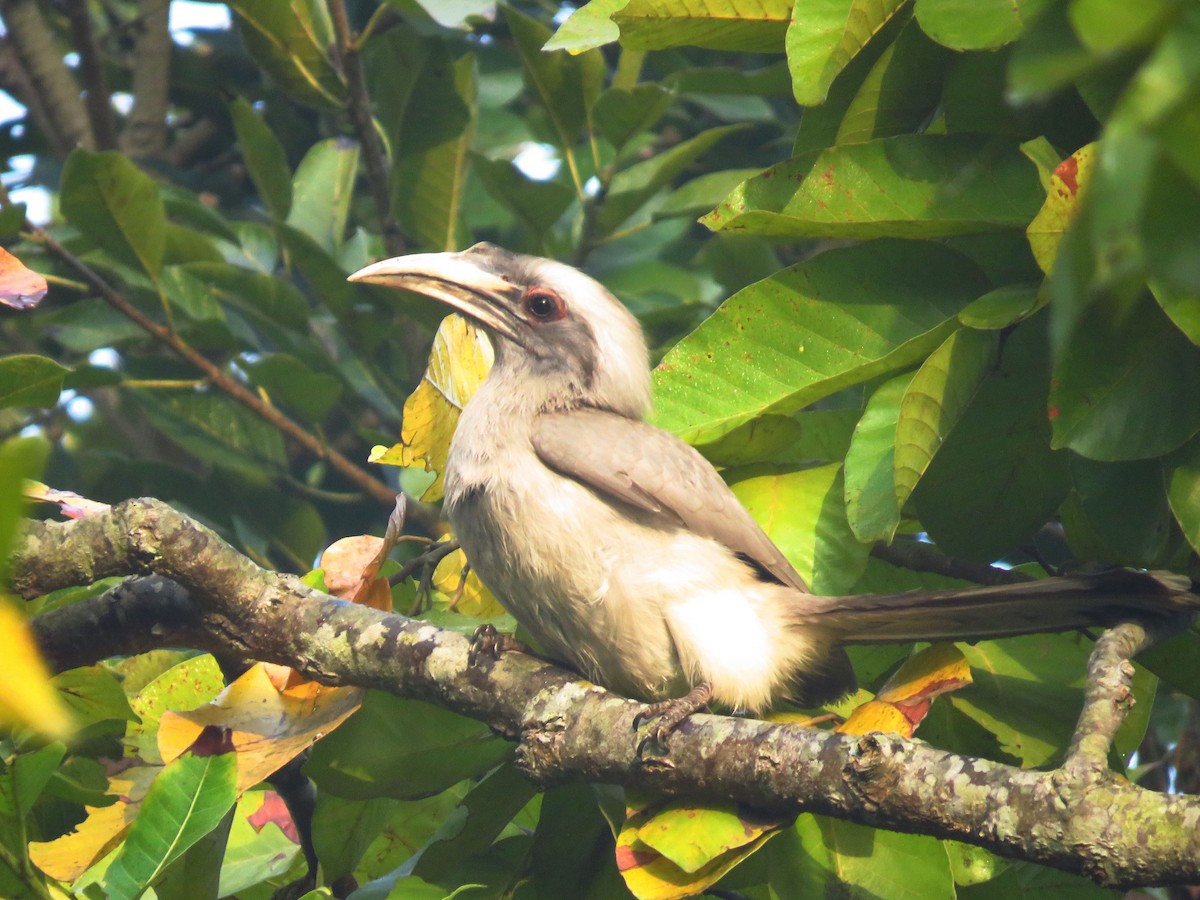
(1064, 603)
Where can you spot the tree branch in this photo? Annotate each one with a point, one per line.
(97, 97)
(1101, 826)
(145, 133)
(48, 76)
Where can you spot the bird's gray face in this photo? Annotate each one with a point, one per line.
(546, 320)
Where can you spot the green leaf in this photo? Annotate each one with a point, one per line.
(811, 330)
(566, 85)
(265, 158)
(620, 114)
(1117, 513)
(190, 295)
(916, 186)
(472, 827)
(185, 245)
(214, 428)
(1110, 26)
(428, 180)
(571, 835)
(21, 458)
(1027, 692)
(823, 857)
(290, 382)
(116, 206)
(804, 512)
(900, 92)
(1124, 386)
(184, 686)
(537, 203)
(27, 380)
(427, 109)
(823, 37)
(1002, 307)
(187, 800)
(255, 850)
(936, 399)
(403, 749)
(265, 299)
(752, 26)
(1047, 58)
(631, 188)
(995, 480)
(871, 505)
(290, 40)
(1181, 474)
(94, 695)
(188, 208)
(977, 24)
(702, 193)
(817, 434)
(26, 776)
(322, 191)
(343, 829)
(588, 27)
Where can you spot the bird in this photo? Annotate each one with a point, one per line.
(622, 552)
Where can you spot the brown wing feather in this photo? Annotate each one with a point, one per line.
(646, 467)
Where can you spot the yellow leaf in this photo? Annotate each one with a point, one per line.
(68, 857)
(1062, 201)
(703, 843)
(269, 725)
(476, 600)
(904, 701)
(460, 360)
(27, 696)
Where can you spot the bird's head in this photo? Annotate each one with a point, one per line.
(553, 328)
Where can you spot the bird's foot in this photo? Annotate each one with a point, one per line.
(667, 715)
(487, 641)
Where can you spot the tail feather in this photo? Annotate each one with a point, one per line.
(1064, 603)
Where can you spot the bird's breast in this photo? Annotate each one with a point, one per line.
(545, 546)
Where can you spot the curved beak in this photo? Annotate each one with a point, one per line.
(457, 281)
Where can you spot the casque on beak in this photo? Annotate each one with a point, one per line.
(457, 281)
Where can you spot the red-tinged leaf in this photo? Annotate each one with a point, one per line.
(274, 810)
(904, 701)
(1062, 201)
(20, 287)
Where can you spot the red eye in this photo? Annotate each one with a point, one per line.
(543, 305)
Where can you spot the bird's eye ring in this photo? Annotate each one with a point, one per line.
(543, 305)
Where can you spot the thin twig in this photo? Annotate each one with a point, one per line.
(920, 557)
(347, 49)
(219, 378)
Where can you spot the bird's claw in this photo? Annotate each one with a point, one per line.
(669, 714)
(487, 641)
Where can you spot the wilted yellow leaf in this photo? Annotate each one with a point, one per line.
(476, 600)
(1062, 201)
(68, 857)
(905, 700)
(460, 360)
(269, 725)
(27, 695)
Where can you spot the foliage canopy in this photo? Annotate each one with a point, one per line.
(911, 268)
